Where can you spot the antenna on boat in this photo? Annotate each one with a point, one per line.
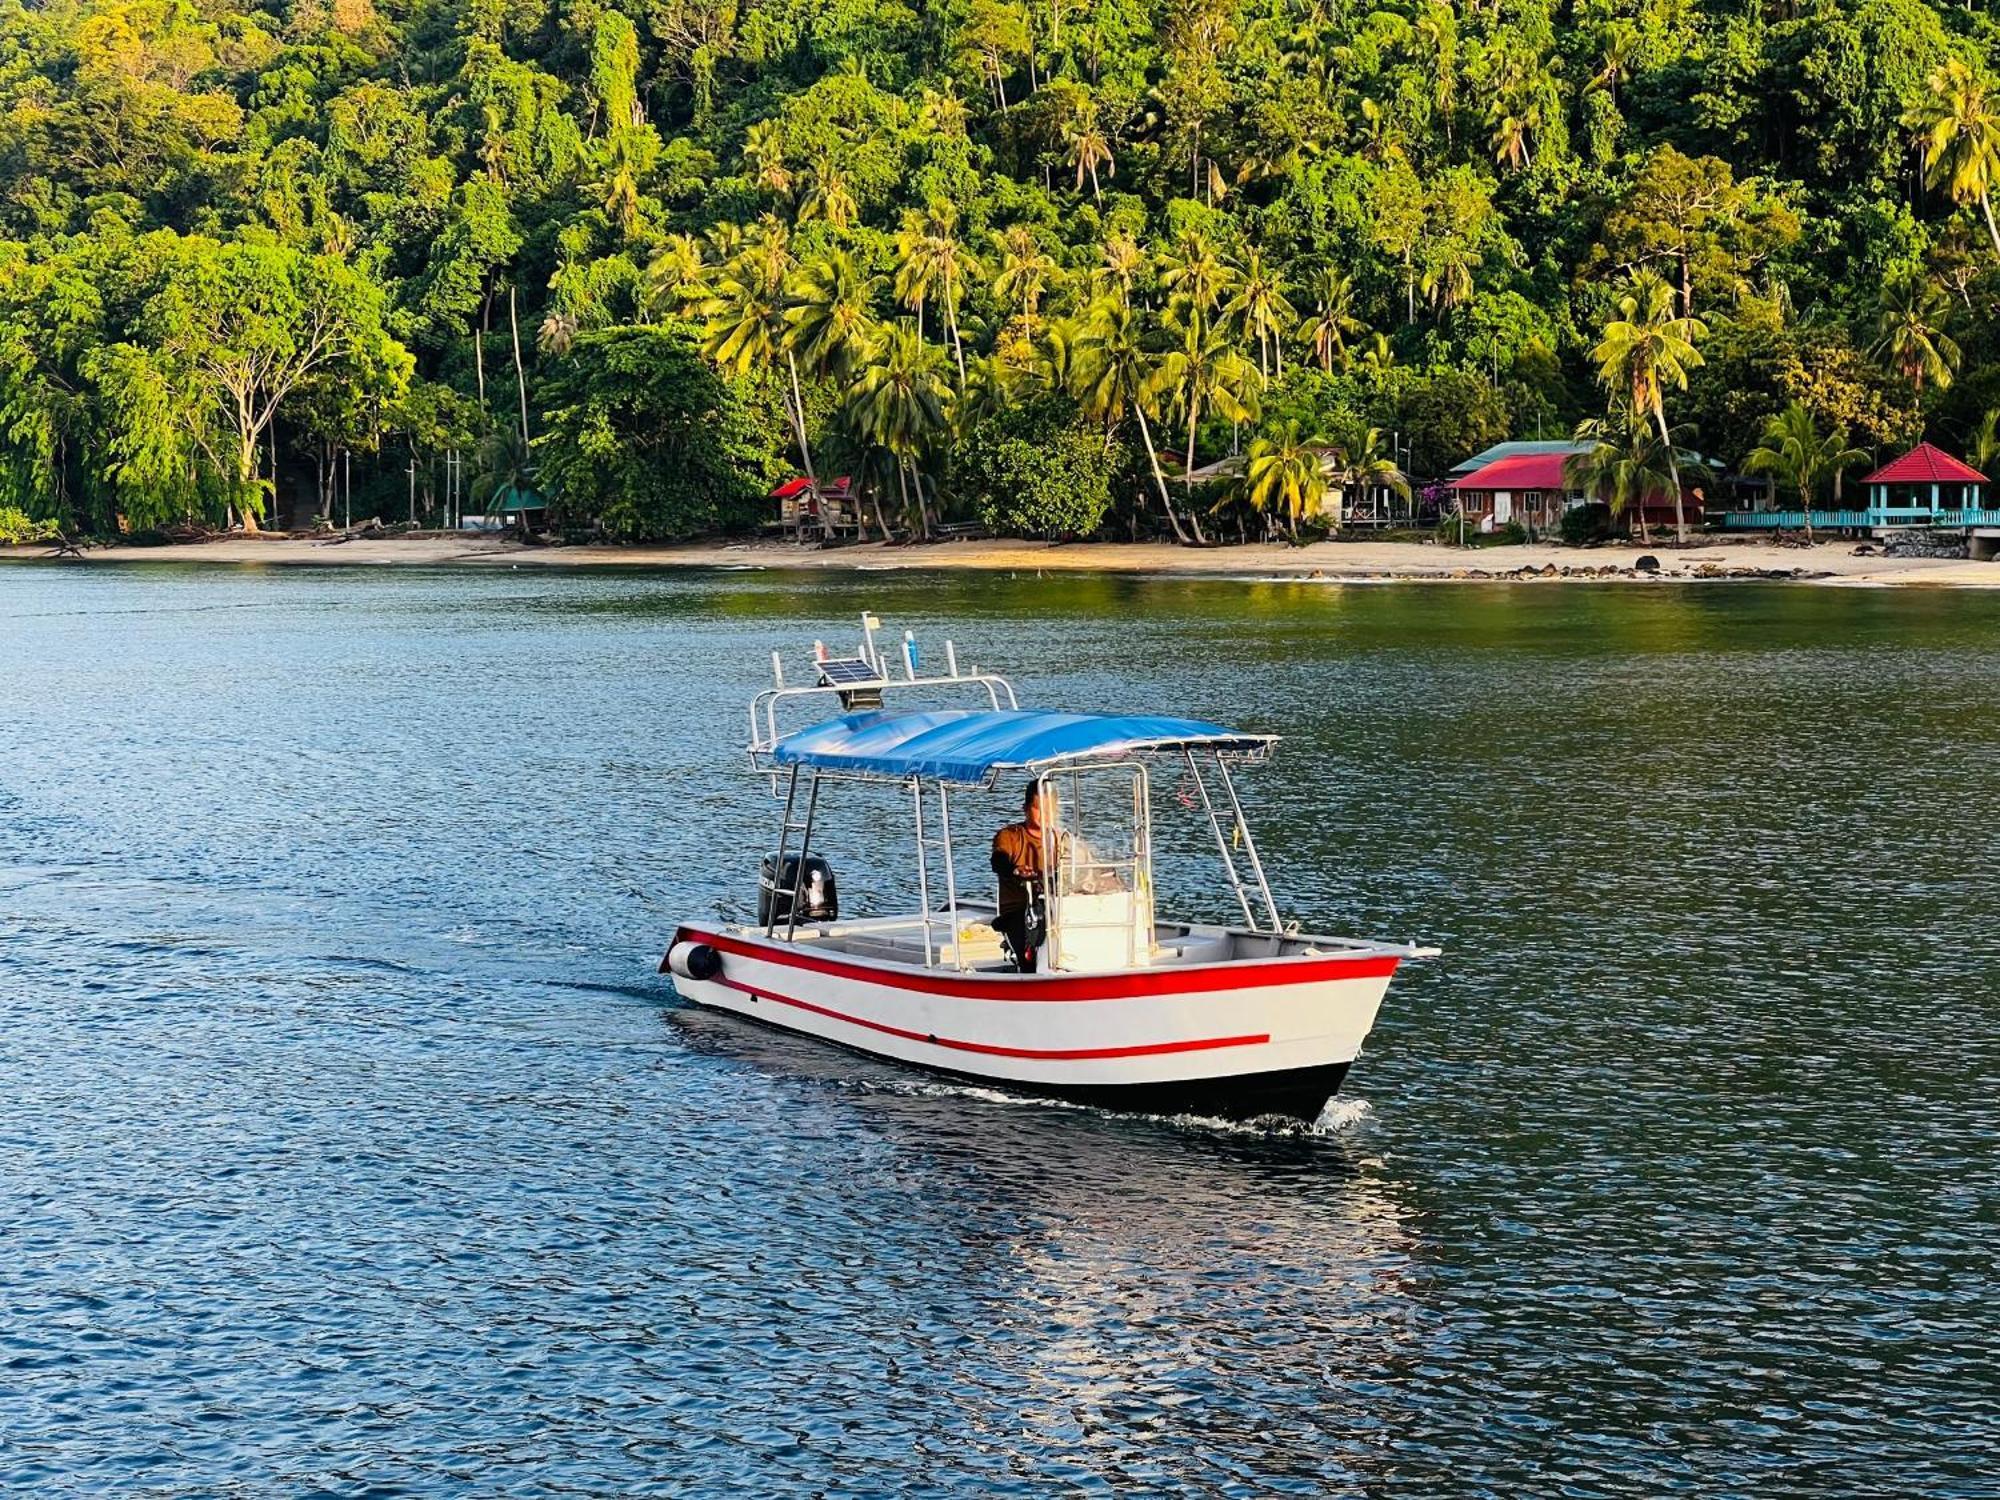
(910, 655)
(950, 659)
(869, 625)
(777, 669)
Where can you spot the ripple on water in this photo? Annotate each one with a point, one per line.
(352, 1145)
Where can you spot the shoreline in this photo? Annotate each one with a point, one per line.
(1712, 559)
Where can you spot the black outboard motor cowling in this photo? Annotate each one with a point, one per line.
(818, 901)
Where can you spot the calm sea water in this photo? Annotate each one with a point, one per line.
(351, 1144)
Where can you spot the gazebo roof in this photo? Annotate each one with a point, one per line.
(1925, 464)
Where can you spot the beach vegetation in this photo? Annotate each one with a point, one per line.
(245, 250)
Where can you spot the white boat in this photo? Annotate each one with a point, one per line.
(1116, 1006)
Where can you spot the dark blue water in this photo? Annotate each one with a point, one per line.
(351, 1145)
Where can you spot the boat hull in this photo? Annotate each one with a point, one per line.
(1236, 1040)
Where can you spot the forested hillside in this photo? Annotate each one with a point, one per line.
(1018, 257)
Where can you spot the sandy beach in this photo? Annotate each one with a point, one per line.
(1711, 559)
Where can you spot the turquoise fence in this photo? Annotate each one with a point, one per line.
(1856, 520)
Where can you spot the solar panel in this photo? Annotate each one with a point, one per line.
(841, 671)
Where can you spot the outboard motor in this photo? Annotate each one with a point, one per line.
(818, 901)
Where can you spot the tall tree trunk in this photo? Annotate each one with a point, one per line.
(246, 478)
(1673, 469)
(875, 499)
(799, 423)
(1160, 479)
(479, 345)
(1992, 229)
(957, 344)
(1187, 478)
(520, 374)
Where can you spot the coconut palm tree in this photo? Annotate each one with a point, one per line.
(829, 313)
(676, 277)
(1204, 374)
(1111, 375)
(1333, 322)
(1261, 311)
(1618, 467)
(1118, 266)
(1643, 350)
(932, 263)
(1795, 452)
(1026, 270)
(1286, 474)
(1628, 462)
(1377, 355)
(1958, 128)
(1984, 446)
(903, 402)
(745, 326)
(828, 195)
(1910, 337)
(1196, 274)
(764, 158)
(1514, 118)
(1363, 465)
(1089, 149)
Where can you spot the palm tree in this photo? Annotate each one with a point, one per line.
(1618, 467)
(1619, 47)
(903, 403)
(745, 328)
(1261, 310)
(1628, 462)
(931, 262)
(1959, 131)
(1985, 443)
(1910, 337)
(502, 465)
(1377, 356)
(1794, 451)
(828, 195)
(1364, 466)
(1025, 270)
(764, 158)
(1333, 322)
(1643, 351)
(1514, 121)
(1089, 149)
(677, 277)
(829, 316)
(1195, 275)
(1286, 474)
(1112, 374)
(1118, 267)
(1205, 374)
(1437, 27)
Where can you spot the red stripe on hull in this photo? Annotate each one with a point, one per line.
(1039, 1054)
(1132, 985)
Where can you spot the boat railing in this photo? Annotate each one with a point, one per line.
(764, 734)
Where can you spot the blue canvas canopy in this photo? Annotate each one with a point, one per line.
(969, 746)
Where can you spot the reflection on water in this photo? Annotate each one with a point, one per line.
(352, 1142)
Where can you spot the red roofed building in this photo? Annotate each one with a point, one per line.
(1923, 481)
(799, 509)
(1530, 488)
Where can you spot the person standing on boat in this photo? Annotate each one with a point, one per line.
(1017, 861)
(1019, 852)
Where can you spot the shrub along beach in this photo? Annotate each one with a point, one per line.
(1191, 270)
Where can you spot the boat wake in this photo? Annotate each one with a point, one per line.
(1336, 1117)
